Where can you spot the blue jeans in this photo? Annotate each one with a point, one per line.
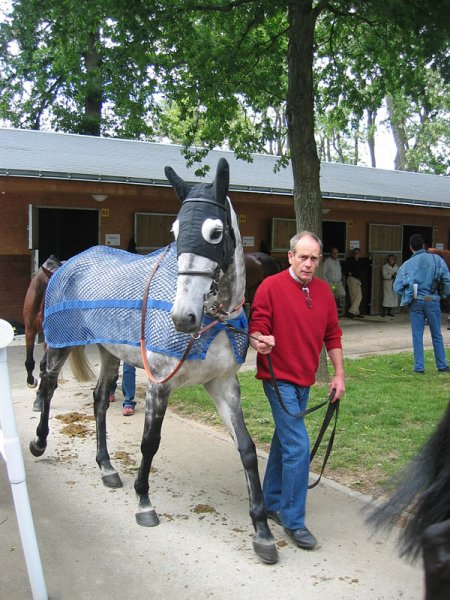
(285, 482)
(128, 384)
(418, 311)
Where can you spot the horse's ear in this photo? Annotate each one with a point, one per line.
(181, 188)
(47, 271)
(222, 180)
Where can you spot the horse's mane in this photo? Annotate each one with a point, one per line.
(422, 494)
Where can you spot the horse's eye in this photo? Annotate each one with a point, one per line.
(212, 231)
(176, 228)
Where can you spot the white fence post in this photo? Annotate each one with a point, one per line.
(12, 453)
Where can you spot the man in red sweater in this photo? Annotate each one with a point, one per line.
(293, 315)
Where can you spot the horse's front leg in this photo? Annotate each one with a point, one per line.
(47, 387)
(227, 396)
(156, 403)
(108, 373)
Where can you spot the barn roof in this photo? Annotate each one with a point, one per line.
(85, 158)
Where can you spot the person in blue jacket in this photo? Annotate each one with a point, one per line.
(421, 281)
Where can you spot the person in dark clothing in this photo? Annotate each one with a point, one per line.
(354, 270)
(128, 371)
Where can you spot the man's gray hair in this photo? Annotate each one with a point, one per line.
(301, 234)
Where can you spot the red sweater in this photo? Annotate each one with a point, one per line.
(280, 309)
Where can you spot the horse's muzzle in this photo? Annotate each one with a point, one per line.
(186, 322)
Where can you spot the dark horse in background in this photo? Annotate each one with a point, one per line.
(33, 308)
(445, 255)
(258, 266)
(422, 498)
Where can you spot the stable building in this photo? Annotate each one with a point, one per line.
(62, 193)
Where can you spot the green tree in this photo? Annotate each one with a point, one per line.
(420, 122)
(105, 68)
(79, 66)
(332, 59)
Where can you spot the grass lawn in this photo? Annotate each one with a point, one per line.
(386, 414)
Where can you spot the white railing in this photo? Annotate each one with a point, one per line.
(12, 453)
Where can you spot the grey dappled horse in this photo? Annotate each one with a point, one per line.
(211, 280)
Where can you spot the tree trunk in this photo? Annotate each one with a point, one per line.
(300, 116)
(356, 143)
(300, 120)
(91, 121)
(371, 116)
(399, 136)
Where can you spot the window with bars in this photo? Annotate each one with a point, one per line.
(153, 230)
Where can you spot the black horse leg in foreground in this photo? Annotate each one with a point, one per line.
(205, 283)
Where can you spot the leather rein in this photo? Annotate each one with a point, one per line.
(332, 410)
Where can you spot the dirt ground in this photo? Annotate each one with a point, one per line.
(92, 548)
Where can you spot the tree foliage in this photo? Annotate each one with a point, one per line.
(213, 73)
(79, 66)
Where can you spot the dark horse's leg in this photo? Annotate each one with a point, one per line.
(156, 404)
(30, 335)
(108, 373)
(227, 396)
(56, 357)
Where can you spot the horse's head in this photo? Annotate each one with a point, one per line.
(205, 245)
(51, 265)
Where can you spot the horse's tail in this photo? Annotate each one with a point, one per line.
(422, 494)
(80, 365)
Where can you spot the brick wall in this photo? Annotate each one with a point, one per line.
(14, 281)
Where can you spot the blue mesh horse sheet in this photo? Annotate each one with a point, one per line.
(96, 297)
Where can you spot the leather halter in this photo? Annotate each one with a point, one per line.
(216, 311)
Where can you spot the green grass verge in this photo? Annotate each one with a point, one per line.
(386, 414)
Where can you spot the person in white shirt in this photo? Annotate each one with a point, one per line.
(332, 273)
(390, 299)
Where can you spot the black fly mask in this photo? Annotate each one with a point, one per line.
(203, 226)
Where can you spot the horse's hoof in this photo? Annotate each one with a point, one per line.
(33, 383)
(147, 518)
(37, 405)
(267, 551)
(36, 449)
(112, 480)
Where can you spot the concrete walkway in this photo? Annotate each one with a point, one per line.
(92, 548)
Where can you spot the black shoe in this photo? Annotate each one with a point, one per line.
(444, 370)
(419, 372)
(302, 537)
(359, 316)
(275, 516)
